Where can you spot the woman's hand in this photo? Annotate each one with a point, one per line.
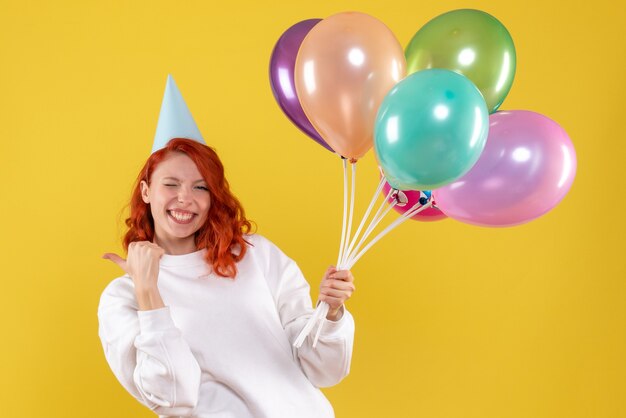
(142, 266)
(335, 289)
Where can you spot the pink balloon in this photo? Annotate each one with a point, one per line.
(413, 196)
(526, 168)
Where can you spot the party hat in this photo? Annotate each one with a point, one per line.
(175, 120)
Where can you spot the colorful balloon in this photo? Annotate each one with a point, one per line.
(345, 66)
(472, 43)
(408, 199)
(430, 130)
(282, 65)
(526, 168)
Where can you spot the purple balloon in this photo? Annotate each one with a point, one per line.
(526, 168)
(282, 66)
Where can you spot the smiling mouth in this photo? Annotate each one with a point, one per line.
(181, 217)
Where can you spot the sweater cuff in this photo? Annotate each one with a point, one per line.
(155, 320)
(333, 329)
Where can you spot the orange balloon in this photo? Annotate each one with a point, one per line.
(345, 66)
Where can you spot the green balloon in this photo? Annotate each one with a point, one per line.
(472, 43)
(430, 129)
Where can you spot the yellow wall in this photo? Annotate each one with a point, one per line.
(452, 320)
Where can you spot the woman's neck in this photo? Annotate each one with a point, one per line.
(177, 247)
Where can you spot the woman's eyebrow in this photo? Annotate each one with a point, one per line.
(175, 179)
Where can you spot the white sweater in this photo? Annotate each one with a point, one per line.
(223, 347)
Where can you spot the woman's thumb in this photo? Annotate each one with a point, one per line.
(116, 259)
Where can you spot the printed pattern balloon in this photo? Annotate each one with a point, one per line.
(408, 199)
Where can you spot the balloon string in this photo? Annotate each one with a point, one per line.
(413, 211)
(345, 207)
(345, 248)
(310, 324)
(364, 218)
(324, 307)
(323, 313)
(417, 208)
(371, 225)
(370, 229)
(375, 218)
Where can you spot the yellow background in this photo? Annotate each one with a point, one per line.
(452, 320)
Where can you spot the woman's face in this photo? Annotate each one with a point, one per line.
(179, 200)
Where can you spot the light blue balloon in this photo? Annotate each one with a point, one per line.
(430, 129)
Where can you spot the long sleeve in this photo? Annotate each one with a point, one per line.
(329, 362)
(147, 353)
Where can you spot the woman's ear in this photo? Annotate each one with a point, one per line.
(145, 191)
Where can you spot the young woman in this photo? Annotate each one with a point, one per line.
(203, 321)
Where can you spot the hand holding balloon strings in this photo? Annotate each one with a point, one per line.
(336, 288)
(349, 253)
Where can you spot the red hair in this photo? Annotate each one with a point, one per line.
(222, 233)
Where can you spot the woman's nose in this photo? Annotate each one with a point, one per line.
(183, 195)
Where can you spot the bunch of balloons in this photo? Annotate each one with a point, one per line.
(343, 81)
(431, 112)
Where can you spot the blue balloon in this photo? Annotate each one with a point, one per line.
(430, 129)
